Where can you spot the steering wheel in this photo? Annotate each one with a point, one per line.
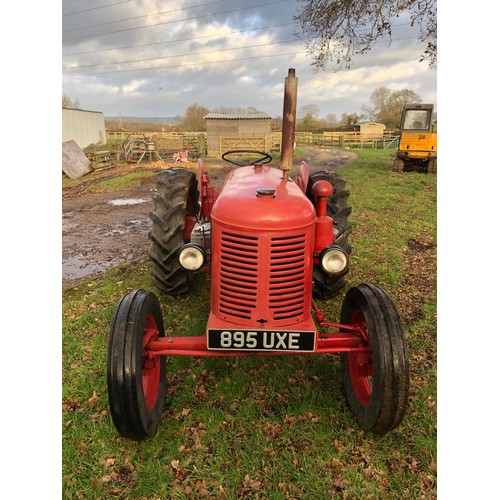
(262, 160)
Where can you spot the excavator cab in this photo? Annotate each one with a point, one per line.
(417, 148)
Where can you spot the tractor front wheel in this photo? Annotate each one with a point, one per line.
(376, 383)
(136, 382)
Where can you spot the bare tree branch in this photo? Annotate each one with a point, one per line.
(337, 30)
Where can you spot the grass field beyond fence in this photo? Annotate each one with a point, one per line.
(273, 428)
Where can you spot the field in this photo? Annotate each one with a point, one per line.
(265, 428)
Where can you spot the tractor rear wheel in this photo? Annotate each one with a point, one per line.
(136, 383)
(174, 214)
(337, 207)
(376, 383)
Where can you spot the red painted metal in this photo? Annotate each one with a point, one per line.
(262, 251)
(360, 363)
(197, 346)
(188, 228)
(238, 205)
(348, 338)
(150, 364)
(302, 177)
(208, 193)
(324, 224)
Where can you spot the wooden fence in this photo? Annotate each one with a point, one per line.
(266, 143)
(166, 143)
(347, 139)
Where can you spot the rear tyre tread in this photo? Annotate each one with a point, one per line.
(176, 199)
(337, 207)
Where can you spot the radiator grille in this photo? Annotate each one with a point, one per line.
(286, 277)
(238, 274)
(263, 277)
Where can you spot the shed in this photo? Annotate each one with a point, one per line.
(371, 130)
(83, 127)
(226, 131)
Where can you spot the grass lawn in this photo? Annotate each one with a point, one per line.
(272, 428)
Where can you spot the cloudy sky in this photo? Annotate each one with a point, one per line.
(156, 58)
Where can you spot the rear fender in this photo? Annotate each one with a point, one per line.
(208, 193)
(302, 178)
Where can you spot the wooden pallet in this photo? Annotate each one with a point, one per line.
(101, 160)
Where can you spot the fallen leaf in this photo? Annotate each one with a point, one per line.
(93, 400)
(108, 478)
(254, 484)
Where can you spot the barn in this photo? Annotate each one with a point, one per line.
(370, 130)
(229, 131)
(83, 127)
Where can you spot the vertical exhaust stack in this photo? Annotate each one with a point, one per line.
(288, 126)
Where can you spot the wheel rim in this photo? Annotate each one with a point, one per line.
(360, 365)
(150, 365)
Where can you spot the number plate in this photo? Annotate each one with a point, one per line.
(261, 340)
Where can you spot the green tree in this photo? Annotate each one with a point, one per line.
(331, 120)
(308, 117)
(387, 105)
(193, 119)
(349, 119)
(337, 30)
(67, 102)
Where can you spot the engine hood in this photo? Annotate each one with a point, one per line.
(239, 204)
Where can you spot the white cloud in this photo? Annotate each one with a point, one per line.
(133, 87)
(210, 59)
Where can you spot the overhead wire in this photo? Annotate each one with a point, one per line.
(145, 15)
(177, 40)
(189, 39)
(208, 62)
(174, 21)
(188, 64)
(180, 55)
(95, 8)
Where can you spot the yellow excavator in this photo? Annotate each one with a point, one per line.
(417, 145)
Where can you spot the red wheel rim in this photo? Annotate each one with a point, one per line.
(360, 365)
(150, 365)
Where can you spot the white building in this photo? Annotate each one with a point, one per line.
(84, 127)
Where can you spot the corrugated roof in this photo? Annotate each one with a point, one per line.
(237, 116)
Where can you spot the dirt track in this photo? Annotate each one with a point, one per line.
(105, 229)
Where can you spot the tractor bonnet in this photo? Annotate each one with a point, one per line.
(256, 197)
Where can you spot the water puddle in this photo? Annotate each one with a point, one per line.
(76, 267)
(138, 225)
(127, 201)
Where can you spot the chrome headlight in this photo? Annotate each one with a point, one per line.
(192, 257)
(333, 260)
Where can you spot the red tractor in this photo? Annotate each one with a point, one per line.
(270, 244)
